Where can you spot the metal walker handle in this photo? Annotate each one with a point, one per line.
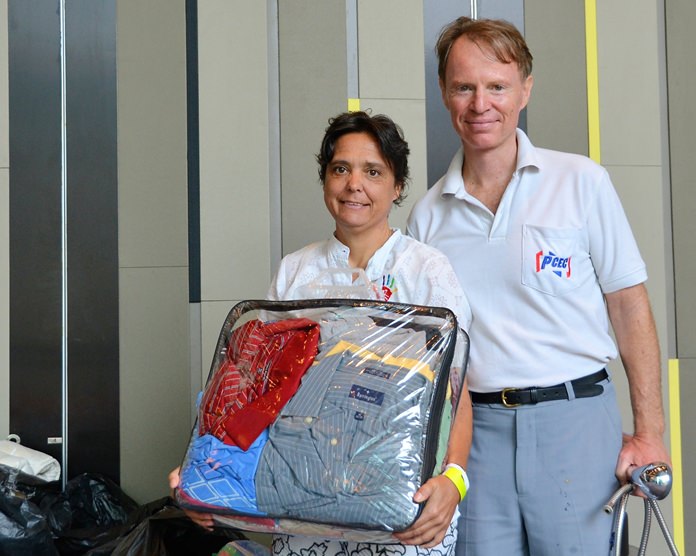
(655, 482)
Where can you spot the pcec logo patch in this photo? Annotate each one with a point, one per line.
(553, 263)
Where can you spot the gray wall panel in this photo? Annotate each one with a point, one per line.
(555, 34)
(687, 382)
(681, 85)
(155, 391)
(681, 43)
(313, 87)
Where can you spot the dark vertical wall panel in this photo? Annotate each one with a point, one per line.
(36, 226)
(93, 387)
(35, 222)
(193, 152)
(442, 140)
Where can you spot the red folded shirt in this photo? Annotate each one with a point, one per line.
(262, 370)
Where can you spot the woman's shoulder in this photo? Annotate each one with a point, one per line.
(296, 268)
(309, 252)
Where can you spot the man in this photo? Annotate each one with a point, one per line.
(544, 252)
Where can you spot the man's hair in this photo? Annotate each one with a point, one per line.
(387, 135)
(501, 37)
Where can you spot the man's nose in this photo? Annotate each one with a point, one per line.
(480, 101)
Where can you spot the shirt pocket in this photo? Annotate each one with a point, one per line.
(551, 259)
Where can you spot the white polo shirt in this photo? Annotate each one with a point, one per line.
(535, 272)
(403, 270)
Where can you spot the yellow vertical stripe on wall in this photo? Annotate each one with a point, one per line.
(353, 105)
(675, 443)
(592, 79)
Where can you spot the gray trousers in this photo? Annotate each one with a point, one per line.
(540, 476)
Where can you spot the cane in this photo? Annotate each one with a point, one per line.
(654, 481)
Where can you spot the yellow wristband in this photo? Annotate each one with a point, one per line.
(458, 476)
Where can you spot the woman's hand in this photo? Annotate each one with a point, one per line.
(203, 519)
(441, 497)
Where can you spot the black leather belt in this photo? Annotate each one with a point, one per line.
(584, 387)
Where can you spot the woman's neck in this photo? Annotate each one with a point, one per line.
(363, 245)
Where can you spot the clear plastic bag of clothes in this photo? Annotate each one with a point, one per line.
(324, 417)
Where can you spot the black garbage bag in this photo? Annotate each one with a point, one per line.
(162, 529)
(24, 528)
(94, 516)
(92, 511)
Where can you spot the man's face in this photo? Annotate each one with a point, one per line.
(484, 96)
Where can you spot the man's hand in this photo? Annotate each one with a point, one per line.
(639, 450)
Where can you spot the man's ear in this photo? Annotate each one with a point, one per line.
(527, 87)
(443, 93)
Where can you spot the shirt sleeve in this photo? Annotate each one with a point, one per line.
(278, 288)
(613, 248)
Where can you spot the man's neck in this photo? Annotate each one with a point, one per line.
(486, 175)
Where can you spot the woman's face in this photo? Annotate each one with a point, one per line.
(359, 187)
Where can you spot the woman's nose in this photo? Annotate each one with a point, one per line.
(354, 182)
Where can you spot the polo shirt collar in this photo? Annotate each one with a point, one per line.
(526, 152)
(453, 183)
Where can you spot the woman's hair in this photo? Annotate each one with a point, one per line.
(503, 38)
(383, 130)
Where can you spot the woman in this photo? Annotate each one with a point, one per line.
(363, 166)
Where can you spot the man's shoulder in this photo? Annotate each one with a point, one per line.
(555, 159)
(548, 158)
(419, 250)
(426, 211)
(432, 197)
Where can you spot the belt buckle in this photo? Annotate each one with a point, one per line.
(503, 397)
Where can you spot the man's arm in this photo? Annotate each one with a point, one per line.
(634, 329)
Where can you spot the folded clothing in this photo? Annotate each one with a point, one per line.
(260, 373)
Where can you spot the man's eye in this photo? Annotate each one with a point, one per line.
(374, 173)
